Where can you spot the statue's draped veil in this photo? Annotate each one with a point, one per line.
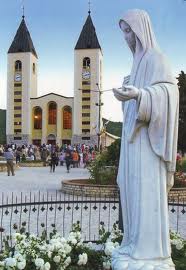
(140, 24)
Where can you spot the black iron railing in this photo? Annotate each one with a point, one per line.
(46, 211)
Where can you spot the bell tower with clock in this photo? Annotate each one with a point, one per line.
(21, 86)
(88, 59)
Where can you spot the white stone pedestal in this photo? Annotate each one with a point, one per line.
(126, 263)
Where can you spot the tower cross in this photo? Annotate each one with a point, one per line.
(23, 8)
(89, 3)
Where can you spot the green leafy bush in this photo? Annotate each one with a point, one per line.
(184, 165)
(103, 170)
(31, 161)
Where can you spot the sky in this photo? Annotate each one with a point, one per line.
(55, 26)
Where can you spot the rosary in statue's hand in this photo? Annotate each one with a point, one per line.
(128, 92)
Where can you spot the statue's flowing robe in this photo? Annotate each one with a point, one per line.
(148, 153)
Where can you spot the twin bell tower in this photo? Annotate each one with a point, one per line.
(54, 118)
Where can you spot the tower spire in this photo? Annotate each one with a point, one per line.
(89, 7)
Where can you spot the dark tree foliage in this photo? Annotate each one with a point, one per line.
(182, 112)
(114, 128)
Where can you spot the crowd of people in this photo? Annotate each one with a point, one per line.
(74, 156)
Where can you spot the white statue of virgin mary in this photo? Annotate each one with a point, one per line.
(150, 102)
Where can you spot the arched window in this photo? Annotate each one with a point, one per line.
(37, 118)
(67, 118)
(52, 113)
(86, 62)
(18, 65)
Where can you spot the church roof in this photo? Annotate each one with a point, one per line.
(50, 94)
(22, 41)
(88, 38)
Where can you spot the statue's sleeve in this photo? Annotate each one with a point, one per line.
(159, 107)
(144, 106)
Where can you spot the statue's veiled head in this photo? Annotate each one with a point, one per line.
(137, 30)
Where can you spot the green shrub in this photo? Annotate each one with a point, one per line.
(30, 161)
(103, 170)
(184, 165)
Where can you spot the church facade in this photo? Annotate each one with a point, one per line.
(53, 118)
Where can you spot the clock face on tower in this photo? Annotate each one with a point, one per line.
(86, 74)
(17, 77)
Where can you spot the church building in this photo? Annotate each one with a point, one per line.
(53, 118)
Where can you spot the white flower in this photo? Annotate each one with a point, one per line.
(109, 247)
(47, 266)
(61, 251)
(179, 245)
(57, 259)
(67, 248)
(73, 240)
(39, 262)
(2, 263)
(89, 244)
(22, 264)
(18, 257)
(83, 258)
(49, 254)
(10, 262)
(107, 265)
(63, 240)
(80, 244)
(51, 247)
(67, 261)
(174, 241)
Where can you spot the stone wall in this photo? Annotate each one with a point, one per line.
(71, 187)
(31, 164)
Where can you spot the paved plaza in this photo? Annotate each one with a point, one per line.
(38, 179)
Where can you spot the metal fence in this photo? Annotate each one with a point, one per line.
(46, 211)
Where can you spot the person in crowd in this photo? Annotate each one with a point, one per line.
(24, 152)
(44, 155)
(18, 155)
(75, 159)
(62, 158)
(68, 159)
(53, 161)
(9, 156)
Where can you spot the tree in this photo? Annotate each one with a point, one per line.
(182, 112)
(114, 128)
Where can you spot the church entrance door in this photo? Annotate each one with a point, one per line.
(52, 142)
(51, 139)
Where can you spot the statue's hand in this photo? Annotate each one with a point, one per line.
(128, 92)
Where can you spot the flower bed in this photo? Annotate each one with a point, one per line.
(180, 180)
(55, 252)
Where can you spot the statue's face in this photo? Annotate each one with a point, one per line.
(129, 35)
